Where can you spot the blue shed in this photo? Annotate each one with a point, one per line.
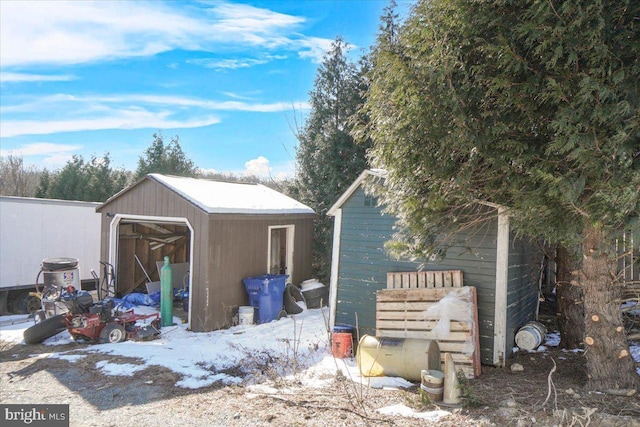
(503, 268)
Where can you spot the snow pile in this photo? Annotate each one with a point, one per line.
(294, 347)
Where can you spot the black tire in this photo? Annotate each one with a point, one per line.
(281, 314)
(47, 328)
(113, 333)
(24, 303)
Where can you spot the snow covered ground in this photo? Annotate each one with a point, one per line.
(299, 344)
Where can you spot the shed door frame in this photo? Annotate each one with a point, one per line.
(290, 239)
(114, 238)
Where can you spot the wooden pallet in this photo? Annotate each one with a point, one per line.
(401, 313)
(424, 279)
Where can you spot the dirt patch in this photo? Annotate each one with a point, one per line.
(499, 397)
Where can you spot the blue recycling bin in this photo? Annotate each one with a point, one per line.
(265, 292)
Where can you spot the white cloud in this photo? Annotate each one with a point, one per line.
(234, 63)
(25, 77)
(246, 97)
(40, 148)
(74, 32)
(113, 119)
(313, 48)
(258, 167)
(231, 64)
(246, 22)
(262, 167)
(68, 113)
(57, 160)
(207, 171)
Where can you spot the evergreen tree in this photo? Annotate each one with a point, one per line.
(44, 184)
(328, 159)
(70, 182)
(102, 180)
(168, 159)
(531, 105)
(94, 181)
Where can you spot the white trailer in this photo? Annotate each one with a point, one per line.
(35, 229)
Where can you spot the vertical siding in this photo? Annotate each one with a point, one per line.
(226, 248)
(363, 265)
(148, 198)
(522, 287)
(239, 249)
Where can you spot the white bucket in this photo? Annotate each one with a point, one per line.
(531, 335)
(245, 315)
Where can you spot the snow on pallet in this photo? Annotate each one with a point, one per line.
(446, 315)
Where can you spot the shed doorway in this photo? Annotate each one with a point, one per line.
(280, 254)
(138, 243)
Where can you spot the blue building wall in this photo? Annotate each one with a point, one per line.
(364, 263)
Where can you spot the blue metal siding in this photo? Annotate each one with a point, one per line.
(363, 267)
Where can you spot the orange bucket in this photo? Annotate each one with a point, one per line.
(341, 344)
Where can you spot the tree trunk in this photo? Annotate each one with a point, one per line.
(570, 307)
(609, 362)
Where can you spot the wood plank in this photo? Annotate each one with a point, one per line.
(447, 280)
(457, 278)
(452, 337)
(431, 281)
(405, 306)
(438, 280)
(424, 279)
(424, 294)
(400, 314)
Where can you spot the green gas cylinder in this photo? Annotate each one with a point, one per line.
(166, 294)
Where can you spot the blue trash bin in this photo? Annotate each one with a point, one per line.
(265, 292)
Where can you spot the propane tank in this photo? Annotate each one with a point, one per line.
(166, 293)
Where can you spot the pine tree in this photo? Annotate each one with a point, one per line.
(93, 181)
(328, 159)
(531, 105)
(168, 159)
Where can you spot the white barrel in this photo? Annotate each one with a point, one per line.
(531, 335)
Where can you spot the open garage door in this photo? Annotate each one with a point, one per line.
(138, 244)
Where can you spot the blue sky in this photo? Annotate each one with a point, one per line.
(230, 78)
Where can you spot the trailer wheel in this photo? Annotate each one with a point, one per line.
(24, 303)
(47, 328)
(113, 333)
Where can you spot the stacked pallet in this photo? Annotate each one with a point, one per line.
(424, 279)
(448, 315)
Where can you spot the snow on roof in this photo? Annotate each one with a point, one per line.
(230, 197)
(380, 173)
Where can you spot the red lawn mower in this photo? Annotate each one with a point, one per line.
(94, 322)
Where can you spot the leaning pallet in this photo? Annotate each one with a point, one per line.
(446, 315)
(424, 279)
